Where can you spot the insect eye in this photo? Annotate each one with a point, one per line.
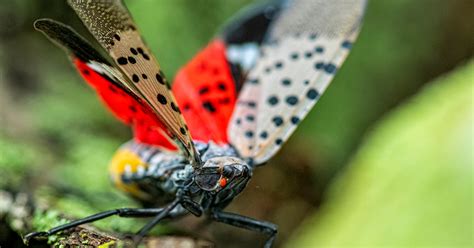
(227, 171)
(207, 181)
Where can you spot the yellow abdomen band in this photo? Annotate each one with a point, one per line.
(126, 162)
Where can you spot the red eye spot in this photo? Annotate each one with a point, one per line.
(223, 182)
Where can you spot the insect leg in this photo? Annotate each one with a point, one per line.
(161, 215)
(122, 212)
(192, 206)
(249, 224)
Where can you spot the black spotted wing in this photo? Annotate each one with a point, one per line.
(306, 44)
(113, 27)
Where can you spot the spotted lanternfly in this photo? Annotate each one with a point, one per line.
(236, 102)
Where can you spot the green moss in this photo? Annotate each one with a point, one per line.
(108, 244)
(410, 185)
(47, 220)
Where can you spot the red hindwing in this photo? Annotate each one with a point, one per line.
(147, 127)
(205, 91)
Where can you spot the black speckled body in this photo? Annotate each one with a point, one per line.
(154, 175)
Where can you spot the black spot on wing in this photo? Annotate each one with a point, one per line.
(113, 89)
(277, 120)
(319, 65)
(187, 107)
(132, 60)
(273, 100)
(319, 49)
(279, 64)
(221, 86)
(312, 94)
(251, 104)
(122, 61)
(294, 56)
(254, 81)
(203, 90)
(159, 78)
(346, 44)
(292, 100)
(249, 134)
(330, 68)
(209, 106)
(286, 82)
(174, 107)
(162, 99)
(295, 120)
(135, 78)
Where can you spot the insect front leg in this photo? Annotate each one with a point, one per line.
(193, 207)
(122, 212)
(249, 224)
(158, 217)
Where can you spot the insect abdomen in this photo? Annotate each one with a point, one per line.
(146, 172)
(123, 166)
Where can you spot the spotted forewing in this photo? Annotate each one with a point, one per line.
(113, 27)
(304, 49)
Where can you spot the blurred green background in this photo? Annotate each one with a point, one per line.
(384, 159)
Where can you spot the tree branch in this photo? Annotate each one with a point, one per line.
(18, 213)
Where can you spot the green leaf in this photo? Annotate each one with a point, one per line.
(411, 183)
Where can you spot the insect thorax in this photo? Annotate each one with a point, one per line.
(153, 175)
